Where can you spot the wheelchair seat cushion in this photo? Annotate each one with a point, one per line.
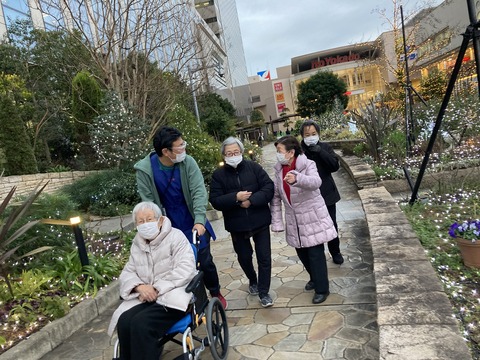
(181, 325)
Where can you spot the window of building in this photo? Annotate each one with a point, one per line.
(11, 15)
(357, 78)
(256, 98)
(52, 16)
(16, 5)
(211, 20)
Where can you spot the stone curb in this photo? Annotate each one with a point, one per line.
(53, 334)
(414, 314)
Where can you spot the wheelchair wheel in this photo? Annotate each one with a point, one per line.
(217, 329)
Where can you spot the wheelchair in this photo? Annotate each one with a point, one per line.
(200, 311)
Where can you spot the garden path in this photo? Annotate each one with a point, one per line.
(343, 327)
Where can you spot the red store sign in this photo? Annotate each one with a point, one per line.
(332, 60)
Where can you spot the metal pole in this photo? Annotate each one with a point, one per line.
(195, 105)
(409, 126)
(466, 39)
(82, 251)
(470, 33)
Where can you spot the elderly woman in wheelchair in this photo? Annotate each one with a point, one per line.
(157, 286)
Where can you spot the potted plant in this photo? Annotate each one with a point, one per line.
(467, 235)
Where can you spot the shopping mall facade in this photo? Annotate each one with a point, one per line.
(433, 38)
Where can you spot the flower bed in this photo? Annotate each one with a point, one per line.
(432, 220)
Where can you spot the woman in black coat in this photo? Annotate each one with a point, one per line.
(242, 190)
(327, 163)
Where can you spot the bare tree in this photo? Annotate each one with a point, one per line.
(139, 47)
(392, 40)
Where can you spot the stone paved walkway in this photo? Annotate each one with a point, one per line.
(343, 327)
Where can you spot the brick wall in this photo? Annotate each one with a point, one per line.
(26, 183)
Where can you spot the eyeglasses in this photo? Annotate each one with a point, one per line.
(234, 153)
(179, 148)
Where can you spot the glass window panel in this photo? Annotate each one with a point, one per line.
(18, 5)
(12, 15)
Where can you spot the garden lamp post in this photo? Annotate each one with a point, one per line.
(82, 251)
(74, 223)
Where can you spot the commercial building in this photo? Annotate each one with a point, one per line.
(433, 40)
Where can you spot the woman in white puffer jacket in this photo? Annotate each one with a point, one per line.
(152, 284)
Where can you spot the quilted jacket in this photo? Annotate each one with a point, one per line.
(167, 263)
(306, 217)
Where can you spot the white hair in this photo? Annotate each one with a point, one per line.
(146, 205)
(230, 141)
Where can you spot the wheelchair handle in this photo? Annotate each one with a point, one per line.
(195, 239)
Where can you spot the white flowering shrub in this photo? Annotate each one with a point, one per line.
(118, 135)
(457, 144)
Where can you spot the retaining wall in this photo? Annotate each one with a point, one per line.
(26, 183)
(414, 315)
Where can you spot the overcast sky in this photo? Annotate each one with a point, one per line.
(274, 31)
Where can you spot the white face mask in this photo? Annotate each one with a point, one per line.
(233, 161)
(179, 157)
(281, 159)
(311, 140)
(148, 230)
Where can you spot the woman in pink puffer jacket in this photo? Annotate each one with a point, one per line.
(308, 224)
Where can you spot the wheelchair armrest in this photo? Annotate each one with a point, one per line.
(193, 284)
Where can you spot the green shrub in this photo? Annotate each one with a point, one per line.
(395, 145)
(58, 169)
(348, 148)
(385, 172)
(107, 193)
(69, 274)
(360, 150)
(54, 307)
(32, 282)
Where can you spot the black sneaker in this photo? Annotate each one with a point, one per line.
(310, 286)
(253, 289)
(337, 259)
(266, 301)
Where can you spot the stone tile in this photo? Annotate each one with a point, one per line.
(298, 319)
(270, 340)
(255, 352)
(355, 335)
(299, 329)
(325, 325)
(292, 271)
(272, 316)
(337, 348)
(292, 342)
(312, 346)
(246, 334)
(283, 355)
(277, 328)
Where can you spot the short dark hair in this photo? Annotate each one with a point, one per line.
(308, 123)
(164, 139)
(291, 143)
